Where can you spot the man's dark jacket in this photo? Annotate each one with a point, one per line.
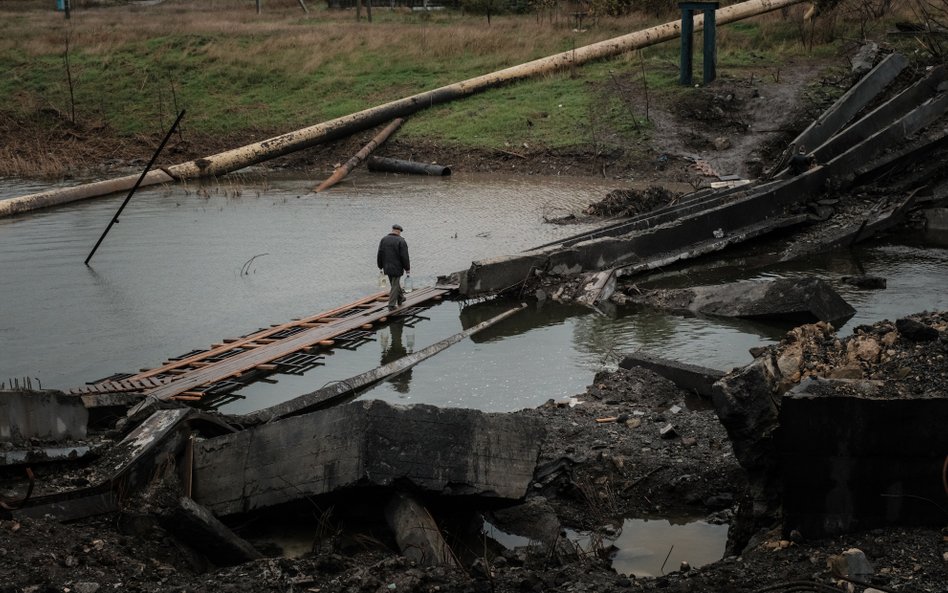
(393, 255)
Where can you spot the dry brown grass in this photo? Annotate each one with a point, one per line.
(284, 34)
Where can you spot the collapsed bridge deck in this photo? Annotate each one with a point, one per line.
(210, 377)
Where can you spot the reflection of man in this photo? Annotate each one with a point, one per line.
(393, 352)
(393, 260)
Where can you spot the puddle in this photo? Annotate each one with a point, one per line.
(653, 547)
(508, 540)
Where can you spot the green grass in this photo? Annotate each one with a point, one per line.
(283, 70)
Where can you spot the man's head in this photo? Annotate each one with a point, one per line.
(397, 229)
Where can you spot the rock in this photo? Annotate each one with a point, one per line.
(689, 441)
(849, 371)
(668, 432)
(744, 402)
(867, 282)
(85, 587)
(721, 500)
(915, 331)
(756, 351)
(864, 59)
(721, 143)
(863, 348)
(852, 564)
(786, 300)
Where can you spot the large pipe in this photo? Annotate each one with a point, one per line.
(251, 154)
(387, 165)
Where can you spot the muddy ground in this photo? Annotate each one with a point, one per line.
(604, 459)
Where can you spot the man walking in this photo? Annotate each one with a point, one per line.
(393, 260)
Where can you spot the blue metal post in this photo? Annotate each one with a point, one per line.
(687, 39)
(710, 45)
(687, 42)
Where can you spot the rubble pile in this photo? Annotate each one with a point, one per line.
(905, 358)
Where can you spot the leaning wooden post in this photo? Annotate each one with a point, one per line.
(340, 173)
(138, 183)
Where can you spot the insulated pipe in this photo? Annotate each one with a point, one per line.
(251, 154)
(387, 165)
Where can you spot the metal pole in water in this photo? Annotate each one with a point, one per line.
(154, 157)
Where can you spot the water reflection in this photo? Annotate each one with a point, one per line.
(392, 350)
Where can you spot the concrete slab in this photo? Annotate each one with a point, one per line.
(697, 379)
(448, 451)
(795, 300)
(199, 528)
(43, 415)
(936, 224)
(856, 463)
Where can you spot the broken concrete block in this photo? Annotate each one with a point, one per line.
(449, 451)
(43, 415)
(501, 273)
(747, 405)
(127, 466)
(199, 528)
(915, 331)
(416, 532)
(797, 300)
(687, 376)
(936, 225)
(847, 462)
(866, 282)
(864, 59)
(668, 432)
(851, 564)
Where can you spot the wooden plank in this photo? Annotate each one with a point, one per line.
(169, 365)
(251, 358)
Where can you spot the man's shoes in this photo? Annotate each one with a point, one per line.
(391, 308)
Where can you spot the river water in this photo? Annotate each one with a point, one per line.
(190, 265)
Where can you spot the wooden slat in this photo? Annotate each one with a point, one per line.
(176, 364)
(252, 358)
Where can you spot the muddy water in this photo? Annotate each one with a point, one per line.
(171, 276)
(653, 547)
(174, 276)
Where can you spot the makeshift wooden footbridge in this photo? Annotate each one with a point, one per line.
(211, 377)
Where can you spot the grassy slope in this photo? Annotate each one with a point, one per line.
(243, 75)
